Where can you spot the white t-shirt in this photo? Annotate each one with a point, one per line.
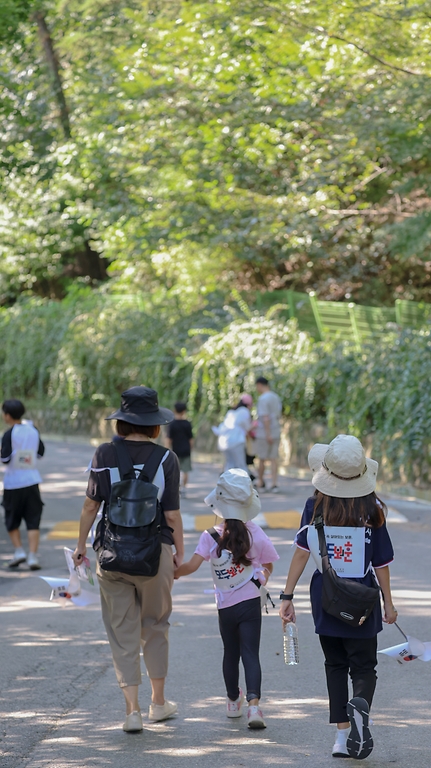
(233, 430)
(268, 404)
(21, 447)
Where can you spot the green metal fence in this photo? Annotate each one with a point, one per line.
(342, 320)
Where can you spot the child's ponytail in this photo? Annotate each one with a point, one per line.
(236, 539)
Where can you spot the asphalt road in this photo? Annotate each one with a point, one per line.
(60, 705)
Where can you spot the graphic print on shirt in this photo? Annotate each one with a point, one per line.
(346, 549)
(25, 459)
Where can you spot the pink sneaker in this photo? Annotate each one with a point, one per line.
(234, 708)
(255, 718)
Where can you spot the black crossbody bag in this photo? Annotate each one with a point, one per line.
(347, 600)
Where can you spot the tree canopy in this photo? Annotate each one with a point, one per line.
(178, 148)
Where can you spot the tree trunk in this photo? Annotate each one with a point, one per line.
(54, 68)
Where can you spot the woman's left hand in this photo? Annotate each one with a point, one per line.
(391, 614)
(178, 560)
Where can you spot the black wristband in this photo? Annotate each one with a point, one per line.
(286, 597)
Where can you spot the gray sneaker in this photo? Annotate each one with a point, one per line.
(18, 558)
(33, 561)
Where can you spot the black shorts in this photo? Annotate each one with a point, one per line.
(22, 504)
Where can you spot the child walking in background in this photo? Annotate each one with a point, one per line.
(20, 448)
(241, 557)
(180, 441)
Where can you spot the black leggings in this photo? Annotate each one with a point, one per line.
(240, 627)
(344, 655)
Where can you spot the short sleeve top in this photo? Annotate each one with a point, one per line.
(104, 472)
(378, 553)
(269, 404)
(180, 432)
(262, 551)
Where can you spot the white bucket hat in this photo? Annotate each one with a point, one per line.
(341, 468)
(234, 497)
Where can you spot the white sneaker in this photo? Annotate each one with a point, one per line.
(234, 708)
(255, 718)
(33, 561)
(159, 712)
(18, 558)
(133, 722)
(274, 489)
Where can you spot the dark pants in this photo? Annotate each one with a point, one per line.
(240, 627)
(22, 504)
(344, 655)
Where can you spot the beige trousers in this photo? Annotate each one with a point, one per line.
(135, 611)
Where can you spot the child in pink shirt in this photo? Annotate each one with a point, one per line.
(241, 557)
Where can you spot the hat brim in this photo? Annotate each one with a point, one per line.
(159, 417)
(334, 486)
(230, 511)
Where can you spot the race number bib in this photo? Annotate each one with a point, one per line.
(228, 575)
(346, 549)
(25, 459)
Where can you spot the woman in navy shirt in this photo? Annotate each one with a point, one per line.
(357, 541)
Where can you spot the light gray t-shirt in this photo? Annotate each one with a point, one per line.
(269, 404)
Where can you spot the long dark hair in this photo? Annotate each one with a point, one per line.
(236, 539)
(239, 405)
(365, 510)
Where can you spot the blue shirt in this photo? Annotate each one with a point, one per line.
(378, 553)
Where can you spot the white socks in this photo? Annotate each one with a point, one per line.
(342, 734)
(340, 747)
(19, 552)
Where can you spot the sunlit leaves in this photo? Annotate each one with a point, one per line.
(291, 137)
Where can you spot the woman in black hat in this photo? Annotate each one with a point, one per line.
(135, 608)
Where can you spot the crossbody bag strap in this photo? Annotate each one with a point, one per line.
(318, 524)
(216, 536)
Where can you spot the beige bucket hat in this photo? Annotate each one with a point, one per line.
(341, 468)
(234, 497)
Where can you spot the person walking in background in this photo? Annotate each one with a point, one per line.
(136, 608)
(232, 433)
(267, 431)
(345, 482)
(241, 557)
(180, 441)
(20, 448)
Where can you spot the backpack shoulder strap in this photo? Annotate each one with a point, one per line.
(124, 460)
(152, 464)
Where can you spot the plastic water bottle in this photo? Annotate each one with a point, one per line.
(290, 644)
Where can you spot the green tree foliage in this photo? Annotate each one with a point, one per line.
(271, 144)
(70, 357)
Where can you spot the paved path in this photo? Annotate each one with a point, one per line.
(60, 706)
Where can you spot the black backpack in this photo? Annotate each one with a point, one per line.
(129, 535)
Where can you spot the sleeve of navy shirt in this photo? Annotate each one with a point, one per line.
(41, 449)
(383, 551)
(6, 447)
(301, 538)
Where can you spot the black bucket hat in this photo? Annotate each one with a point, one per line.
(139, 405)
